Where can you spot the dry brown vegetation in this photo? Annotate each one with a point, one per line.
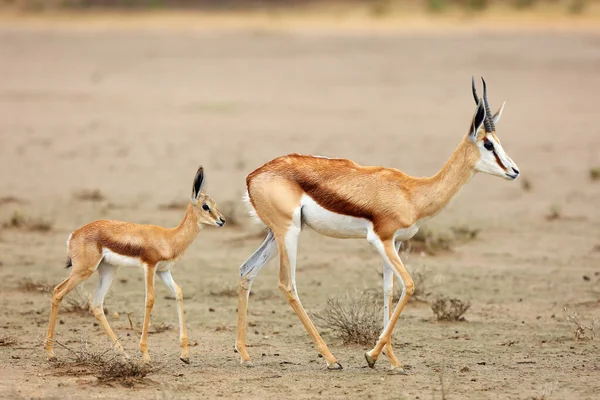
(355, 318)
(582, 331)
(11, 200)
(89, 195)
(6, 341)
(432, 242)
(173, 205)
(225, 291)
(77, 302)
(449, 309)
(20, 221)
(554, 213)
(107, 366)
(595, 173)
(30, 285)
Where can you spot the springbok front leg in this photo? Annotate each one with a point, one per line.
(106, 274)
(390, 256)
(167, 279)
(388, 296)
(149, 272)
(288, 246)
(248, 271)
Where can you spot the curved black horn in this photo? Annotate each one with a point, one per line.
(489, 122)
(475, 97)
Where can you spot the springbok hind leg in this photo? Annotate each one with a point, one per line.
(248, 271)
(390, 257)
(107, 275)
(288, 244)
(79, 273)
(388, 296)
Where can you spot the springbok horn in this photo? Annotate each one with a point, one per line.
(489, 122)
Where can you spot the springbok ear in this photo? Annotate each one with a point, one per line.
(477, 121)
(198, 184)
(499, 113)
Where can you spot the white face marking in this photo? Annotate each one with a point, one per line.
(488, 164)
(332, 224)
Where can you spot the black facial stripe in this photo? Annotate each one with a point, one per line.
(499, 161)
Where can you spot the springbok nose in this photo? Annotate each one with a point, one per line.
(221, 221)
(516, 171)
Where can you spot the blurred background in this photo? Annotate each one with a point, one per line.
(108, 107)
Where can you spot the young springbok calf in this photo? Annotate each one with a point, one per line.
(339, 198)
(107, 245)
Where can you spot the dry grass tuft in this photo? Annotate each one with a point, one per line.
(89, 195)
(595, 173)
(77, 302)
(108, 366)
(7, 341)
(526, 184)
(231, 212)
(582, 332)
(174, 205)
(356, 318)
(225, 291)
(554, 213)
(11, 200)
(433, 242)
(446, 309)
(153, 328)
(20, 221)
(29, 285)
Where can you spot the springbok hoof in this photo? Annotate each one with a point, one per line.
(336, 366)
(247, 363)
(52, 358)
(185, 359)
(397, 371)
(370, 360)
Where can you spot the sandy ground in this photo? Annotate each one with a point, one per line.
(133, 113)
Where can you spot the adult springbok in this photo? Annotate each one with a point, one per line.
(339, 198)
(107, 245)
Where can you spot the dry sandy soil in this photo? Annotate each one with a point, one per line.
(133, 112)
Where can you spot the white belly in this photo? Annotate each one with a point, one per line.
(332, 224)
(118, 260)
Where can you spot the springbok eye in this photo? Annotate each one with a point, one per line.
(488, 145)
(205, 207)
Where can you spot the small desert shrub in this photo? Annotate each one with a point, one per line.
(89, 195)
(8, 341)
(582, 332)
(20, 221)
(108, 365)
(231, 212)
(10, 200)
(526, 184)
(446, 309)
(356, 318)
(77, 302)
(29, 285)
(433, 242)
(225, 291)
(595, 173)
(174, 205)
(437, 5)
(554, 213)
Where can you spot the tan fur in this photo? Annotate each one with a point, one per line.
(390, 199)
(151, 245)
